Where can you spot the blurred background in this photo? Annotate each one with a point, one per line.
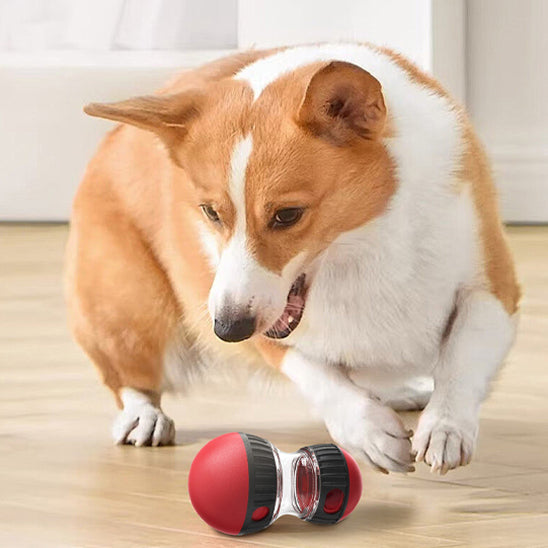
(57, 55)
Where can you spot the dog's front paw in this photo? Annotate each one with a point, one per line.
(141, 425)
(444, 442)
(374, 432)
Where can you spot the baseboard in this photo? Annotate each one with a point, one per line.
(521, 174)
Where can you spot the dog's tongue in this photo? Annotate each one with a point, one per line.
(293, 308)
(295, 304)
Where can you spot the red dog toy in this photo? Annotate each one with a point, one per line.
(240, 483)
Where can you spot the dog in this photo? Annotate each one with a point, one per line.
(325, 209)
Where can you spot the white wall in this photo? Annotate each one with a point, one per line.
(403, 25)
(102, 25)
(508, 98)
(448, 45)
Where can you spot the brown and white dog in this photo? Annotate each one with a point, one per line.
(325, 209)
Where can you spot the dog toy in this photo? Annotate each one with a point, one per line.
(240, 483)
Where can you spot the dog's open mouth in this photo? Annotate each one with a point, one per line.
(293, 311)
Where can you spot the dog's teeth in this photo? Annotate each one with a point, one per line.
(290, 319)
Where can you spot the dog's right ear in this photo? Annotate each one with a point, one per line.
(342, 102)
(166, 115)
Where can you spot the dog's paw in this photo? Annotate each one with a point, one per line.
(142, 425)
(373, 432)
(444, 443)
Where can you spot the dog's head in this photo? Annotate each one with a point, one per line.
(277, 176)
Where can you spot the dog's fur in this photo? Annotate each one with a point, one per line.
(407, 271)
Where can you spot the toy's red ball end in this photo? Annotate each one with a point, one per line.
(355, 483)
(218, 483)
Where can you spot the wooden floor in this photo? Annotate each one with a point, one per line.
(62, 483)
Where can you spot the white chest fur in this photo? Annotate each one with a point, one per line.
(382, 294)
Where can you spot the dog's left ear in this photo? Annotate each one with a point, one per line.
(342, 102)
(166, 115)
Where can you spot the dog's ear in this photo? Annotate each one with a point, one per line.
(342, 102)
(166, 115)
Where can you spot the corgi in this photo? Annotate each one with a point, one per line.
(325, 209)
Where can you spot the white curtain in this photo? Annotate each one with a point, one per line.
(35, 25)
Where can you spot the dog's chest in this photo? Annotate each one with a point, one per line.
(386, 306)
(360, 323)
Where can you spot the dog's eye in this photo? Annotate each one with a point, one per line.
(210, 213)
(286, 217)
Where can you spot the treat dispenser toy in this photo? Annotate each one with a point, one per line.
(240, 483)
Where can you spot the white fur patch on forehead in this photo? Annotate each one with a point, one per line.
(236, 183)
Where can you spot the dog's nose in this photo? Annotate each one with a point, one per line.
(234, 329)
